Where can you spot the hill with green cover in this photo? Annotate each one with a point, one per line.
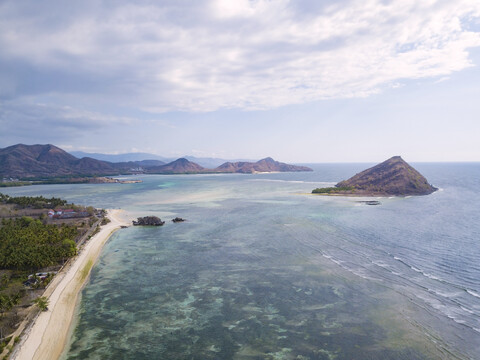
(391, 177)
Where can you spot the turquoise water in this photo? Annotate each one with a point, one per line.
(262, 270)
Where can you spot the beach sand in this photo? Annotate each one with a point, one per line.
(47, 337)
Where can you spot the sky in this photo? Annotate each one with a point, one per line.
(301, 81)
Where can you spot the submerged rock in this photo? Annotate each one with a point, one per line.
(178, 219)
(148, 221)
(370, 202)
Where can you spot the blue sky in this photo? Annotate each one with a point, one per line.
(301, 81)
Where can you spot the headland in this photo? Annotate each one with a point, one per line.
(393, 177)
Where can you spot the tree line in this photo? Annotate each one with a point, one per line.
(37, 202)
(28, 244)
(333, 190)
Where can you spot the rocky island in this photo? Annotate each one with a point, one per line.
(393, 177)
(148, 221)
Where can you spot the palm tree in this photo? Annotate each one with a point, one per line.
(42, 303)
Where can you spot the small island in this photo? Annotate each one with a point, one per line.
(393, 177)
(148, 221)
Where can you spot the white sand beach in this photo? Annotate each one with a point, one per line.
(47, 337)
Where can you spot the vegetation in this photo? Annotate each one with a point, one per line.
(86, 269)
(32, 243)
(333, 190)
(3, 344)
(37, 202)
(64, 180)
(26, 243)
(7, 302)
(15, 183)
(73, 179)
(42, 303)
(11, 294)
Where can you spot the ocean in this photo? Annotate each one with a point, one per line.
(262, 269)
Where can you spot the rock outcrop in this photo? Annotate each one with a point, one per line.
(148, 221)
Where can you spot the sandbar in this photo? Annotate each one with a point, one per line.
(45, 339)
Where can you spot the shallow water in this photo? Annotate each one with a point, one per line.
(261, 270)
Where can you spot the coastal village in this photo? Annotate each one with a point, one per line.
(21, 289)
(67, 214)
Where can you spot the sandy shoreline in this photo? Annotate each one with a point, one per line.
(47, 337)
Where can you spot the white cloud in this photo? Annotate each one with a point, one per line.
(250, 54)
(23, 121)
(64, 116)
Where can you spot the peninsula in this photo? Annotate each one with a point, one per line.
(393, 177)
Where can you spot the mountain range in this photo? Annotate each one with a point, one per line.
(47, 161)
(206, 162)
(117, 158)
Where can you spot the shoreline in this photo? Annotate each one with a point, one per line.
(47, 336)
(368, 195)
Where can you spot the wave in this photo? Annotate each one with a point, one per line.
(468, 310)
(445, 297)
(407, 275)
(444, 294)
(433, 277)
(426, 274)
(473, 293)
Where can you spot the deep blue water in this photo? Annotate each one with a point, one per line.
(263, 270)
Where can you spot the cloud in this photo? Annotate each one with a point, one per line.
(24, 121)
(220, 54)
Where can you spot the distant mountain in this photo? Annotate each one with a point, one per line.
(179, 166)
(392, 177)
(137, 164)
(206, 162)
(264, 165)
(154, 164)
(30, 161)
(22, 161)
(209, 162)
(121, 158)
